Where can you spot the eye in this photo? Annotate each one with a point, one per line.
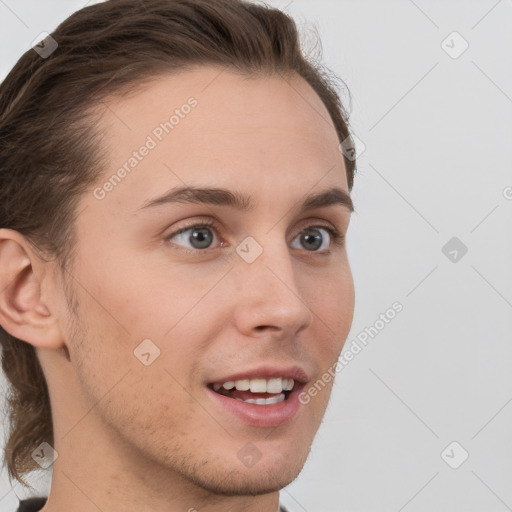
(200, 236)
(312, 238)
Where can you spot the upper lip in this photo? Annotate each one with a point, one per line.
(296, 373)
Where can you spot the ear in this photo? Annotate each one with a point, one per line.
(23, 312)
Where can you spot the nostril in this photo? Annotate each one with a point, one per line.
(263, 327)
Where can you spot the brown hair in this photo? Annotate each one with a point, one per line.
(50, 152)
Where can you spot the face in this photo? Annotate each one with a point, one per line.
(246, 287)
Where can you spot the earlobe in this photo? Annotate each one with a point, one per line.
(23, 314)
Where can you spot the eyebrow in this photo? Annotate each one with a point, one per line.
(242, 202)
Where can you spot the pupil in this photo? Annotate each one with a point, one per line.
(316, 239)
(202, 236)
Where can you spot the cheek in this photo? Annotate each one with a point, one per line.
(143, 296)
(332, 303)
(129, 301)
(124, 389)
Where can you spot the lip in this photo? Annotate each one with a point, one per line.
(263, 416)
(267, 372)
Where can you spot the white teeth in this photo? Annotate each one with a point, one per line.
(242, 385)
(274, 385)
(258, 386)
(264, 401)
(289, 385)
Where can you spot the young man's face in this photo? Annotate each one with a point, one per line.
(216, 309)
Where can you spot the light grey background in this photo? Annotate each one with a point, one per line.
(437, 160)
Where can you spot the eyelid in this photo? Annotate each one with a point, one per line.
(197, 223)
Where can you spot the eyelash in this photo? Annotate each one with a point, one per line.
(337, 237)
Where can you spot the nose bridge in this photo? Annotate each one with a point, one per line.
(268, 292)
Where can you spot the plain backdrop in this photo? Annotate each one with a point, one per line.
(420, 418)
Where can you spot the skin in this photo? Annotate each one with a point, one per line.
(147, 438)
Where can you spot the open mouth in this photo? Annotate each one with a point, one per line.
(256, 391)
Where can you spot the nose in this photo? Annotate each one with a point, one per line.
(269, 297)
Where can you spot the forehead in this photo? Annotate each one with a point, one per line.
(212, 126)
(225, 93)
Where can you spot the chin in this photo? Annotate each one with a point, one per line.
(261, 478)
(249, 483)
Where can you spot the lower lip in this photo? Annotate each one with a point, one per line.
(254, 415)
